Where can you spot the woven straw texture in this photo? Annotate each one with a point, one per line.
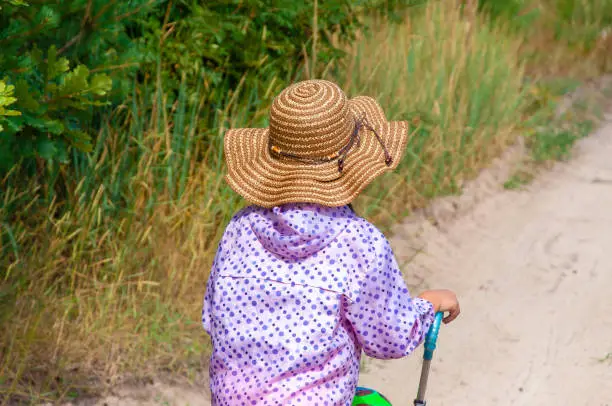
(312, 119)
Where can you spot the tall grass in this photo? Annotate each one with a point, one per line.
(105, 281)
(108, 283)
(459, 81)
(563, 37)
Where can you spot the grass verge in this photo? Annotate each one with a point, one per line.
(562, 112)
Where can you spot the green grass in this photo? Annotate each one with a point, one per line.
(554, 144)
(553, 135)
(556, 122)
(519, 179)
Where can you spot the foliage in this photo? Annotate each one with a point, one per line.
(220, 43)
(53, 102)
(228, 40)
(6, 99)
(14, 3)
(235, 37)
(49, 50)
(97, 33)
(259, 45)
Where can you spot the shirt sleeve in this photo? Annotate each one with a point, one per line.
(387, 322)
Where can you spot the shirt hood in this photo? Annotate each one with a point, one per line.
(297, 231)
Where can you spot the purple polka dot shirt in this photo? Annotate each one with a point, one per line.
(295, 294)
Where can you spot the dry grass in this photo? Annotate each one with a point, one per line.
(458, 81)
(97, 300)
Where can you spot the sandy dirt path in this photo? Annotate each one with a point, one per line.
(533, 271)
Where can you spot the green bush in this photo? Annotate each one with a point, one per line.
(49, 50)
(261, 44)
(53, 102)
(255, 42)
(6, 99)
(233, 38)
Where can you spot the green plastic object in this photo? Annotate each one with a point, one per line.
(369, 397)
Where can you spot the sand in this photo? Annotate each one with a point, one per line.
(533, 272)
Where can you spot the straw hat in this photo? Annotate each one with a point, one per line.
(320, 148)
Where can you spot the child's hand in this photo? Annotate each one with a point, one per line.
(443, 301)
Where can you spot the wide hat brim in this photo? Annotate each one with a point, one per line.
(267, 181)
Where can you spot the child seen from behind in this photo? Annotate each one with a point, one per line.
(300, 284)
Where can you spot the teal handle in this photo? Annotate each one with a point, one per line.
(432, 337)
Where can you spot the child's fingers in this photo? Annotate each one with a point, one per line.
(452, 314)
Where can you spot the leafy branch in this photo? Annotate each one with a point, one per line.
(6, 99)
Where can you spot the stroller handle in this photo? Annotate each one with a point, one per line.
(430, 346)
(432, 337)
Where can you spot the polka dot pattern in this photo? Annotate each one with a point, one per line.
(296, 293)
